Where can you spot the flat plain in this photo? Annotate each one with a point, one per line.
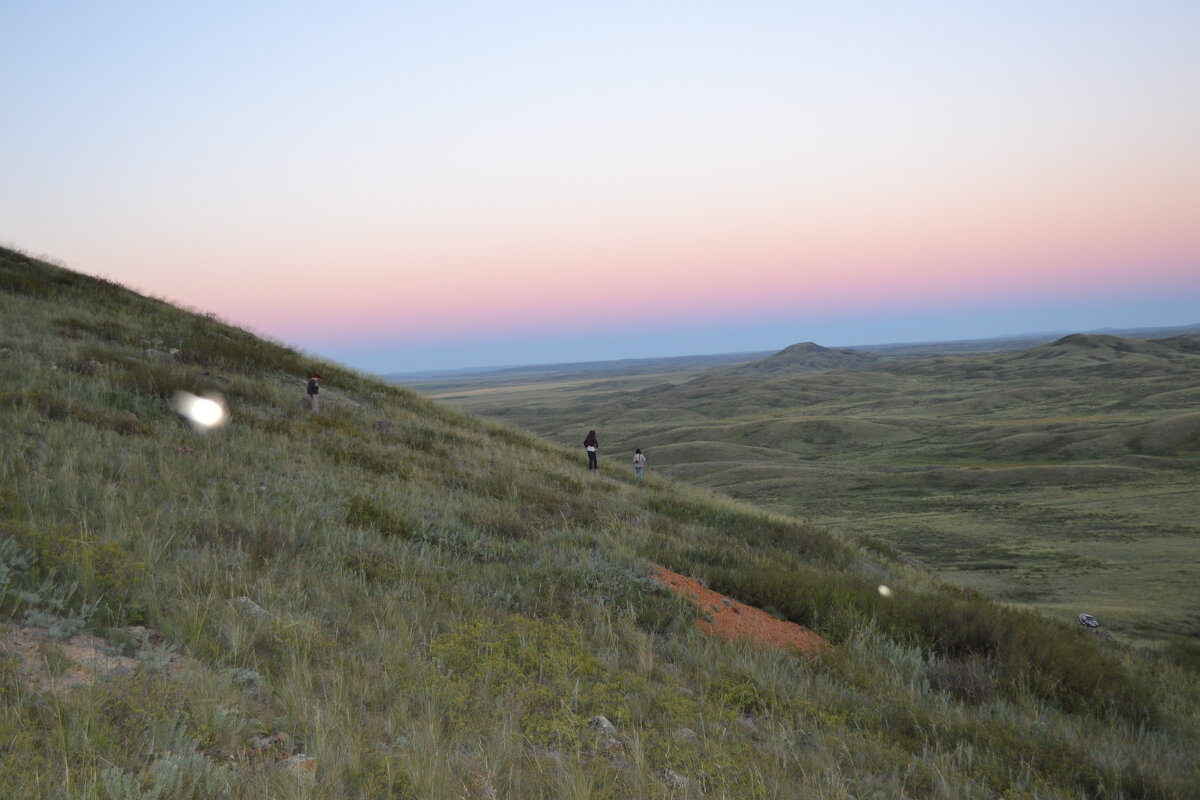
(1061, 476)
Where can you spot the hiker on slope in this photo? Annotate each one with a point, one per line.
(313, 388)
(591, 445)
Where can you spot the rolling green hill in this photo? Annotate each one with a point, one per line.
(804, 357)
(394, 599)
(1060, 476)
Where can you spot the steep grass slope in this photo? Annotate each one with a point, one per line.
(393, 599)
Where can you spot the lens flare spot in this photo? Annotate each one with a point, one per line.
(205, 413)
(885, 591)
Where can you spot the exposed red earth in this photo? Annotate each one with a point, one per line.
(725, 617)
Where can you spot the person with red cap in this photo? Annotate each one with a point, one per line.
(313, 388)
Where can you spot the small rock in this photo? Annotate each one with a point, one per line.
(673, 779)
(686, 735)
(746, 723)
(611, 744)
(602, 725)
(301, 765)
(606, 735)
(253, 609)
(268, 742)
(384, 428)
(246, 679)
(145, 636)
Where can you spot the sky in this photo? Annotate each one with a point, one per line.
(410, 186)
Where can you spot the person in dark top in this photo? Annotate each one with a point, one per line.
(313, 388)
(591, 445)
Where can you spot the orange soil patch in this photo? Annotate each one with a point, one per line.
(733, 620)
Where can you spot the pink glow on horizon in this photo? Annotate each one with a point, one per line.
(860, 251)
(657, 294)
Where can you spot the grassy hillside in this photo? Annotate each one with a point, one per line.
(393, 599)
(1062, 476)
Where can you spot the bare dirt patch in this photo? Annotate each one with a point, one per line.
(727, 618)
(46, 664)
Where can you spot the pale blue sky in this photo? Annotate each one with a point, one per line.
(426, 185)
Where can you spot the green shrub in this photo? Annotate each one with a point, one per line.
(557, 588)
(739, 692)
(363, 512)
(756, 529)
(969, 679)
(262, 543)
(1029, 652)
(104, 329)
(103, 572)
(369, 458)
(332, 425)
(539, 671)
(375, 565)
(376, 775)
(27, 758)
(1184, 653)
(156, 379)
(502, 521)
(55, 409)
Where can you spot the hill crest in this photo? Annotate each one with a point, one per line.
(805, 357)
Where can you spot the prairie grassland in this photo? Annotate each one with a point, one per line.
(1062, 476)
(394, 599)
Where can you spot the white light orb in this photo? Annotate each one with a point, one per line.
(885, 591)
(205, 413)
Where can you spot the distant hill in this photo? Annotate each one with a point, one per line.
(805, 357)
(1108, 348)
(1012, 461)
(1080, 355)
(808, 356)
(1022, 341)
(445, 380)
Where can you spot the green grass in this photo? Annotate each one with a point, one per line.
(1060, 477)
(440, 606)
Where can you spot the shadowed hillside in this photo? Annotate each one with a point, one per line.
(394, 599)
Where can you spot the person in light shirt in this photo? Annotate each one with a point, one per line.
(591, 445)
(314, 386)
(639, 463)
